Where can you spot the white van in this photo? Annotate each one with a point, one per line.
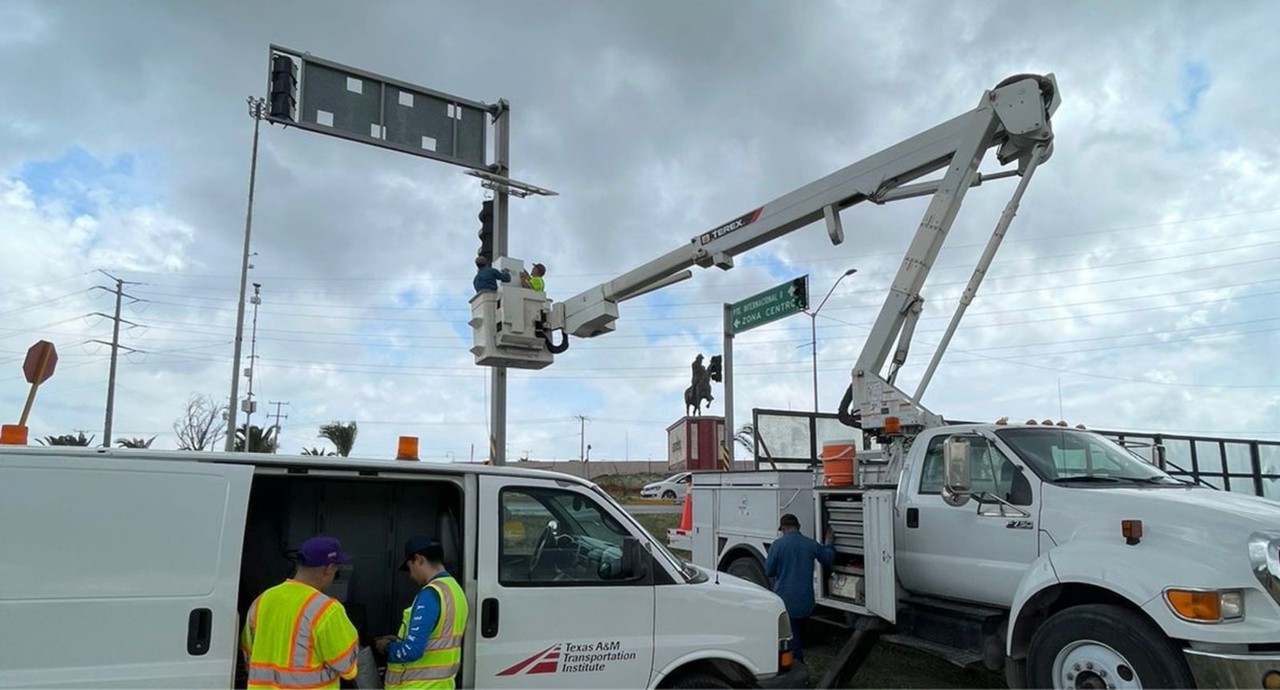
(133, 568)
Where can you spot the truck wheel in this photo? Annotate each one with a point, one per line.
(700, 680)
(1103, 646)
(669, 495)
(748, 568)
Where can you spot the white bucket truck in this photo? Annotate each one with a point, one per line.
(1052, 553)
(134, 568)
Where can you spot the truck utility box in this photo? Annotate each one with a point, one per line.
(735, 520)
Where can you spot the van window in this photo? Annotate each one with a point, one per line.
(556, 537)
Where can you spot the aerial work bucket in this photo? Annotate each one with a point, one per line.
(838, 462)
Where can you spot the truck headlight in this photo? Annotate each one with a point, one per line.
(1206, 606)
(1264, 556)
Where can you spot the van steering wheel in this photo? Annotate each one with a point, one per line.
(548, 533)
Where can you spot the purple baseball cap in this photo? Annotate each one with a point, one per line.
(318, 552)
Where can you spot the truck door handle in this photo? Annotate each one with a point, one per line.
(199, 631)
(913, 518)
(489, 617)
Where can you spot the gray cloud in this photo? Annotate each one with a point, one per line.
(655, 121)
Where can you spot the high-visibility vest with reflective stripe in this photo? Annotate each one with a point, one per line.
(295, 637)
(438, 666)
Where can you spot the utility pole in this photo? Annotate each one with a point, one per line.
(115, 348)
(250, 405)
(582, 437)
(278, 417)
(257, 110)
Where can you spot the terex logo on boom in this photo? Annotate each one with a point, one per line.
(735, 224)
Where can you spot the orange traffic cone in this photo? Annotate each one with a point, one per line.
(686, 518)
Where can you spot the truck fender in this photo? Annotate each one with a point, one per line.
(717, 658)
(1133, 578)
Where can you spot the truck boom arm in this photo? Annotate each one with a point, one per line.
(1014, 117)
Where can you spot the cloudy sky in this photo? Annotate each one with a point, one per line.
(1139, 278)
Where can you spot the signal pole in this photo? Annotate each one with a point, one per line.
(257, 109)
(502, 166)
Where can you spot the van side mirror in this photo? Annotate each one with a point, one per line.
(957, 487)
(632, 565)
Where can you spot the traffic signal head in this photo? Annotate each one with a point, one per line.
(284, 87)
(800, 291)
(486, 229)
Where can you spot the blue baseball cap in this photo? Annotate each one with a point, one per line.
(318, 552)
(426, 546)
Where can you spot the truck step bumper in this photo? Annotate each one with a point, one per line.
(1214, 670)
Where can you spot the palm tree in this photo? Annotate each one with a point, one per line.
(135, 442)
(317, 451)
(342, 436)
(258, 440)
(746, 437)
(66, 440)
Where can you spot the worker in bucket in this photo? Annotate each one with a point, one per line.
(790, 565)
(294, 635)
(537, 279)
(487, 276)
(428, 651)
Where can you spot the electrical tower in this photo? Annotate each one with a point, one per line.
(115, 346)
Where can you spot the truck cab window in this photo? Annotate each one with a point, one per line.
(555, 537)
(992, 472)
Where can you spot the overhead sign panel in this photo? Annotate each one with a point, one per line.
(791, 297)
(369, 108)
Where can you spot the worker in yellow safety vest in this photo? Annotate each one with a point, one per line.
(296, 637)
(428, 651)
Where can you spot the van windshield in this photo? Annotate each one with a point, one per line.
(660, 550)
(1073, 456)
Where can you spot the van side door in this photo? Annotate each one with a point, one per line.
(119, 572)
(553, 610)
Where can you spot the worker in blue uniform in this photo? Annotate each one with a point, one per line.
(790, 566)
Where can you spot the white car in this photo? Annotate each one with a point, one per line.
(672, 488)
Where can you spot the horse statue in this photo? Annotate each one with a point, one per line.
(700, 389)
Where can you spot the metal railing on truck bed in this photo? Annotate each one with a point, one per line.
(785, 439)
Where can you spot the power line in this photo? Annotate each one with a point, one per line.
(966, 268)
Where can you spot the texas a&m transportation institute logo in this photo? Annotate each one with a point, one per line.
(572, 657)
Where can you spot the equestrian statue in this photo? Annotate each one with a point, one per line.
(701, 388)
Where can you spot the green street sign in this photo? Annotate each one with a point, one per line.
(791, 297)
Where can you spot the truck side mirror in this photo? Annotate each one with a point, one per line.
(957, 487)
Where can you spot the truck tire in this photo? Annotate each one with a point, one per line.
(1104, 646)
(749, 569)
(700, 680)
